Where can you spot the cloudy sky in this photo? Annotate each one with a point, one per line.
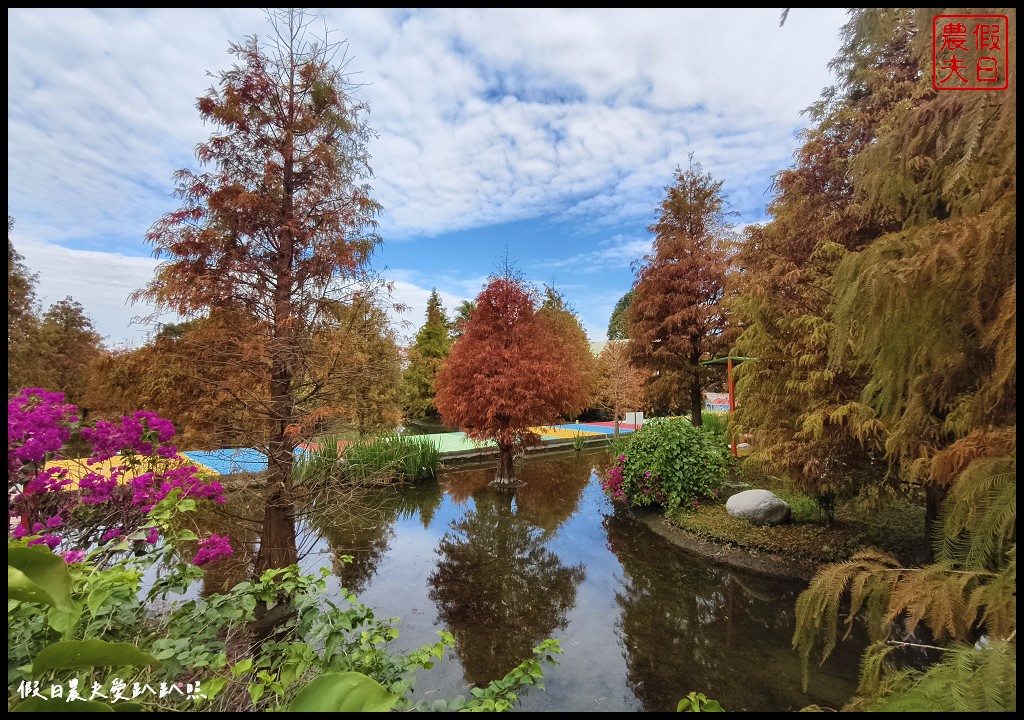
(548, 135)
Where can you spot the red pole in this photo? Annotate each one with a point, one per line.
(732, 408)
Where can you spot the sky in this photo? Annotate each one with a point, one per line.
(547, 136)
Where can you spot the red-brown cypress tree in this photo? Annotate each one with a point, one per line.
(278, 229)
(676, 318)
(508, 372)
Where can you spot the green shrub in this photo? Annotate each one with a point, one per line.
(668, 462)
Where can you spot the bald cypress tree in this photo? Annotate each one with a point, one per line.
(676, 317)
(917, 311)
(805, 409)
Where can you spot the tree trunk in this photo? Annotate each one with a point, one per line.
(278, 547)
(696, 403)
(506, 474)
(616, 426)
(934, 496)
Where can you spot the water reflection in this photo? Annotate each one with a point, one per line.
(498, 588)
(691, 625)
(641, 622)
(366, 535)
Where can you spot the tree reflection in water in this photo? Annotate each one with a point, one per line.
(690, 625)
(497, 586)
(366, 535)
(642, 622)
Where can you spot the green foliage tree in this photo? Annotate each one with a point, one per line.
(616, 326)
(461, 317)
(676, 318)
(424, 359)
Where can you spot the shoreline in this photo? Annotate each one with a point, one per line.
(733, 556)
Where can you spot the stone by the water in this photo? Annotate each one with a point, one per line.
(759, 507)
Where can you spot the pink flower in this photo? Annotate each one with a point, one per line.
(50, 541)
(73, 556)
(213, 549)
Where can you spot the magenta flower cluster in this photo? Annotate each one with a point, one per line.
(104, 507)
(142, 433)
(645, 489)
(39, 422)
(611, 483)
(213, 549)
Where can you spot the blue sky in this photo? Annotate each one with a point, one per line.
(546, 134)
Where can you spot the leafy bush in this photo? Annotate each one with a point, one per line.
(668, 462)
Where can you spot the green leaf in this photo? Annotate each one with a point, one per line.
(88, 654)
(38, 704)
(241, 667)
(256, 692)
(343, 692)
(213, 687)
(19, 587)
(35, 570)
(96, 599)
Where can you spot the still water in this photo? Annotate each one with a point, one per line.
(641, 622)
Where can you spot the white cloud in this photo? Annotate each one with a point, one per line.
(484, 116)
(619, 252)
(101, 281)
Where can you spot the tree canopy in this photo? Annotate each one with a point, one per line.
(277, 228)
(880, 302)
(676, 318)
(510, 370)
(23, 368)
(616, 323)
(424, 359)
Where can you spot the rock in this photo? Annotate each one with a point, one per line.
(759, 507)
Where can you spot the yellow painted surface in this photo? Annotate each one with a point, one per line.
(560, 433)
(77, 469)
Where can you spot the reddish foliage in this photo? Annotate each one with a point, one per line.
(676, 318)
(509, 371)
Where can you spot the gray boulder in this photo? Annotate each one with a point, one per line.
(759, 507)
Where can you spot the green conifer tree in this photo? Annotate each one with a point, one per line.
(424, 359)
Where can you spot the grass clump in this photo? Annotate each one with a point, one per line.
(369, 460)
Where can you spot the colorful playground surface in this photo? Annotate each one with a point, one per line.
(230, 461)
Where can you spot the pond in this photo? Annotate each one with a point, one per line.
(641, 622)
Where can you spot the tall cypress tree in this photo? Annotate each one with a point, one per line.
(676, 318)
(919, 310)
(804, 409)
